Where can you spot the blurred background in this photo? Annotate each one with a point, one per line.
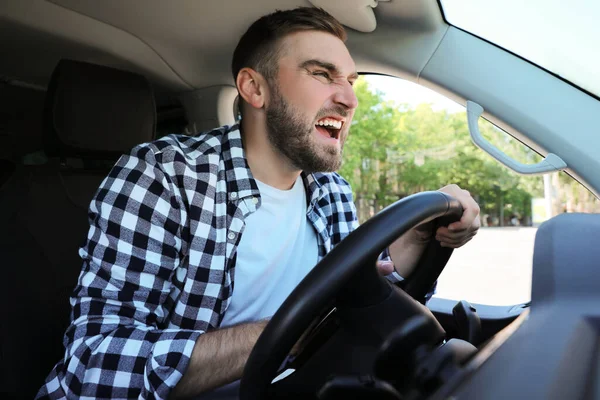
(406, 139)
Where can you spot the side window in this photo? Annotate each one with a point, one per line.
(406, 139)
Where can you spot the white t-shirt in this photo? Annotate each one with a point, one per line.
(277, 250)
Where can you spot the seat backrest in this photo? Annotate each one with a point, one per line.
(7, 169)
(92, 115)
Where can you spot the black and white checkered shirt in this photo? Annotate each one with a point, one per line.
(159, 262)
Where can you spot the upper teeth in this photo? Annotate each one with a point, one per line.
(330, 122)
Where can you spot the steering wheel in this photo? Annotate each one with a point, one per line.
(348, 278)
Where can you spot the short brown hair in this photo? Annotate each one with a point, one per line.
(259, 48)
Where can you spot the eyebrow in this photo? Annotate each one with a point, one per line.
(328, 66)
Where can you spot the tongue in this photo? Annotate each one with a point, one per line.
(323, 131)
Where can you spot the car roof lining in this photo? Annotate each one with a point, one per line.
(166, 44)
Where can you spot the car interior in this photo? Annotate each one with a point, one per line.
(82, 82)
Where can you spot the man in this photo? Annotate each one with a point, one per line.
(196, 241)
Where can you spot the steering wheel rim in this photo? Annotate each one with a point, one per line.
(354, 255)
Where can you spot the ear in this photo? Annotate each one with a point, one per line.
(252, 87)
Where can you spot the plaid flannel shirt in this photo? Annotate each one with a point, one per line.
(159, 261)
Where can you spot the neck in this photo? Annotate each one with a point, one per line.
(266, 163)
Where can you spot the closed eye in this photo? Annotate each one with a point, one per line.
(323, 74)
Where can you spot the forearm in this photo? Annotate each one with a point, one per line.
(218, 358)
(407, 250)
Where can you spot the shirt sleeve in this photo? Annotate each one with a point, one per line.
(395, 277)
(117, 345)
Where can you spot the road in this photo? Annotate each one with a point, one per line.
(494, 268)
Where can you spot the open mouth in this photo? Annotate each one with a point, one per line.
(330, 127)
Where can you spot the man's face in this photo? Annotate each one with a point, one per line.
(311, 104)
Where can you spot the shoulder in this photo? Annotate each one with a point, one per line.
(177, 162)
(333, 183)
(185, 148)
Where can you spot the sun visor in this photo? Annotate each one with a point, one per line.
(355, 14)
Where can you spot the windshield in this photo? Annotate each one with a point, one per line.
(557, 35)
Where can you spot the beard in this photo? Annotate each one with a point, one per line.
(290, 132)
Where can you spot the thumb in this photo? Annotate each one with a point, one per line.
(385, 267)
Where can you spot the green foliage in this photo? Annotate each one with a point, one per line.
(394, 151)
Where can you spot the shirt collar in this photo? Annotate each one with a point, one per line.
(240, 182)
(313, 187)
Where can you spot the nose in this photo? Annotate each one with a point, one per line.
(345, 96)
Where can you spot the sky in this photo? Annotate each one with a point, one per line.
(405, 92)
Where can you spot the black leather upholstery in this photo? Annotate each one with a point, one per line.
(95, 111)
(92, 113)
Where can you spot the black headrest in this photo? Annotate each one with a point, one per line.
(93, 111)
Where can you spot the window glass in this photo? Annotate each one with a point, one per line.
(560, 36)
(407, 139)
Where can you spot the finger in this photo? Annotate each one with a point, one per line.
(385, 267)
(455, 243)
(465, 223)
(455, 237)
(445, 235)
(476, 224)
(452, 242)
(469, 215)
(444, 231)
(470, 212)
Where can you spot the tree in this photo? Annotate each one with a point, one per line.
(373, 131)
(394, 151)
